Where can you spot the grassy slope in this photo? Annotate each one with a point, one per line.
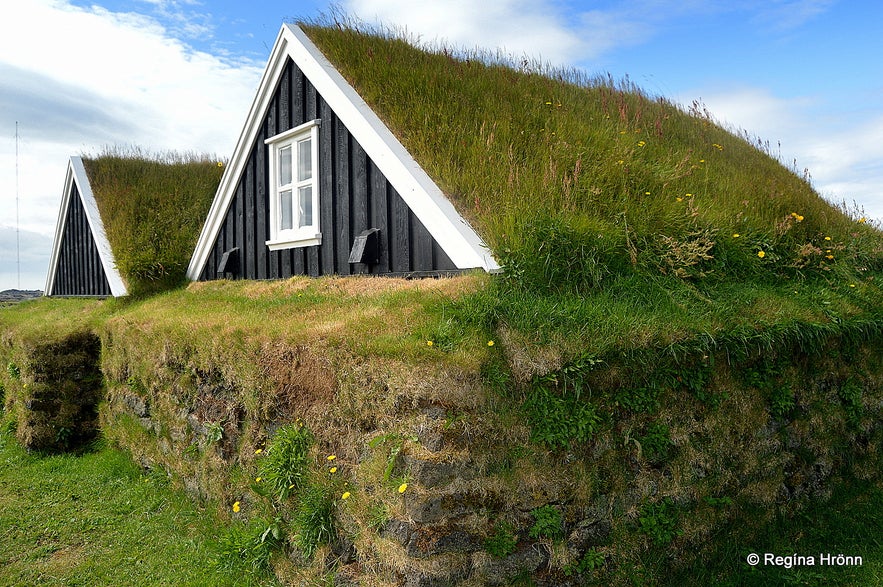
(152, 208)
(620, 220)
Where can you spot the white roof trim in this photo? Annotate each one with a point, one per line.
(458, 240)
(76, 175)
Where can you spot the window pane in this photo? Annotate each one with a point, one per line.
(304, 160)
(305, 206)
(285, 166)
(285, 220)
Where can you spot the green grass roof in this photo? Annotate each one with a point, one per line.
(514, 147)
(620, 220)
(152, 207)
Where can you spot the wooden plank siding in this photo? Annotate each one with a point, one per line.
(79, 271)
(353, 196)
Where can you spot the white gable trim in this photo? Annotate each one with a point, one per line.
(458, 240)
(76, 175)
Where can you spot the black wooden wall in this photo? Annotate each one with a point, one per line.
(354, 196)
(79, 271)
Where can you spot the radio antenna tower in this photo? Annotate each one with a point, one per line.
(17, 239)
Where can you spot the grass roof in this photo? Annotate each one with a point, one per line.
(152, 207)
(592, 192)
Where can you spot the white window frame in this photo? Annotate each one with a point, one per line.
(297, 236)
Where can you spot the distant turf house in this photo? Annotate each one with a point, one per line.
(81, 262)
(318, 185)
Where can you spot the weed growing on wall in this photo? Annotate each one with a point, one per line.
(284, 464)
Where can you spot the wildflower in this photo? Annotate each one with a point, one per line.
(620, 162)
(258, 451)
(332, 470)
(429, 343)
(291, 486)
(851, 285)
(736, 235)
(257, 479)
(641, 143)
(220, 163)
(403, 487)
(346, 495)
(646, 193)
(490, 343)
(761, 254)
(718, 147)
(797, 217)
(862, 220)
(827, 238)
(236, 508)
(829, 257)
(330, 457)
(688, 195)
(702, 161)
(679, 199)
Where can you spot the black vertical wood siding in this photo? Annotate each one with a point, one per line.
(79, 271)
(353, 196)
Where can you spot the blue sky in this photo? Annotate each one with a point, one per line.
(80, 75)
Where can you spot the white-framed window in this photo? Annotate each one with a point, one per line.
(294, 187)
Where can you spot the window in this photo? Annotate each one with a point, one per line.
(294, 187)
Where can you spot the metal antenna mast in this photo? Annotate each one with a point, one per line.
(17, 240)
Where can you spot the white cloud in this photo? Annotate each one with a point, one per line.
(79, 79)
(843, 153)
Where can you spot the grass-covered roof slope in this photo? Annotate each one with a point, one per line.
(587, 186)
(152, 207)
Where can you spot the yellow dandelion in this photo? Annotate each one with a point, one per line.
(257, 479)
(702, 161)
(620, 162)
(490, 343)
(827, 238)
(258, 451)
(862, 220)
(429, 343)
(330, 457)
(829, 256)
(346, 495)
(761, 254)
(403, 487)
(641, 143)
(236, 508)
(220, 163)
(646, 193)
(679, 199)
(736, 235)
(332, 470)
(851, 285)
(689, 195)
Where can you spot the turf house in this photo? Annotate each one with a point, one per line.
(652, 349)
(128, 221)
(318, 185)
(82, 261)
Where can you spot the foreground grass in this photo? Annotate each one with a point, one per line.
(97, 519)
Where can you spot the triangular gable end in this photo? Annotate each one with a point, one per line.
(81, 262)
(457, 240)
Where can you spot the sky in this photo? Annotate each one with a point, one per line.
(81, 76)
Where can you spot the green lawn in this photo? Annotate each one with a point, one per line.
(98, 519)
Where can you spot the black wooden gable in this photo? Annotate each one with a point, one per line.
(79, 270)
(354, 197)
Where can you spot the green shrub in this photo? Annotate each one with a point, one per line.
(285, 463)
(502, 542)
(547, 523)
(656, 443)
(558, 420)
(659, 521)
